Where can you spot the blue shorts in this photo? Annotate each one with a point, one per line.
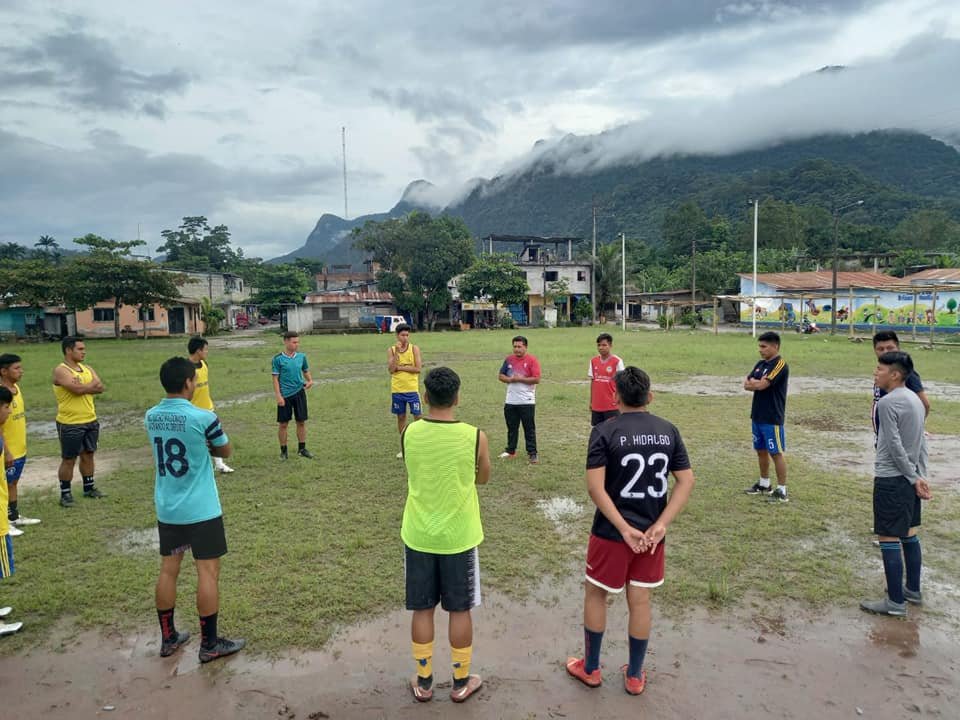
(6, 556)
(399, 402)
(770, 438)
(16, 470)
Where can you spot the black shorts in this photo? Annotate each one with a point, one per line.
(206, 539)
(896, 506)
(597, 417)
(293, 406)
(76, 439)
(451, 580)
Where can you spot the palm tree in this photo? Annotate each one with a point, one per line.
(48, 249)
(607, 274)
(12, 251)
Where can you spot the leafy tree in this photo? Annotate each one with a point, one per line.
(212, 315)
(311, 266)
(31, 282)
(279, 285)
(12, 251)
(419, 255)
(494, 277)
(607, 274)
(908, 261)
(107, 273)
(927, 230)
(680, 228)
(196, 246)
(47, 249)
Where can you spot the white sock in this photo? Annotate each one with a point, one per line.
(764, 482)
(218, 463)
(784, 488)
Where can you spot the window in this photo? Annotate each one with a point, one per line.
(146, 314)
(330, 314)
(551, 275)
(103, 314)
(581, 275)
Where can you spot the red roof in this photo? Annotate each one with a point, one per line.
(823, 280)
(346, 298)
(935, 275)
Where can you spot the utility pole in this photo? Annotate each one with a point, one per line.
(836, 260)
(693, 272)
(593, 265)
(343, 141)
(756, 213)
(623, 281)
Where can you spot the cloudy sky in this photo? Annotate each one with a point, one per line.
(115, 115)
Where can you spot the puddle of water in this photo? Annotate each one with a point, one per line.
(562, 512)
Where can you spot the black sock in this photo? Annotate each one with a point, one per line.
(301, 446)
(283, 449)
(64, 487)
(591, 641)
(167, 629)
(208, 630)
(87, 482)
(12, 510)
(893, 569)
(913, 559)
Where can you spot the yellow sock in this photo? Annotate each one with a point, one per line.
(461, 661)
(423, 654)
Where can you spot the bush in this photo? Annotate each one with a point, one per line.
(582, 310)
(506, 322)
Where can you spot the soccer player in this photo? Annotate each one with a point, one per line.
(74, 385)
(887, 341)
(6, 542)
(628, 461)
(768, 383)
(15, 438)
(291, 380)
(198, 348)
(189, 515)
(446, 459)
(521, 374)
(899, 484)
(404, 364)
(603, 392)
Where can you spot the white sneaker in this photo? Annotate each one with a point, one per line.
(400, 455)
(10, 628)
(23, 521)
(4, 611)
(224, 468)
(505, 455)
(14, 531)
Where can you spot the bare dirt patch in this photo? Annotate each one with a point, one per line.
(731, 386)
(40, 473)
(789, 663)
(236, 342)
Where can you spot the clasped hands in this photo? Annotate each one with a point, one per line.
(644, 541)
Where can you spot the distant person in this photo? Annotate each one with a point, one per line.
(628, 461)
(887, 341)
(521, 374)
(603, 391)
(445, 459)
(291, 380)
(15, 439)
(899, 484)
(74, 385)
(198, 348)
(6, 542)
(768, 383)
(189, 515)
(404, 364)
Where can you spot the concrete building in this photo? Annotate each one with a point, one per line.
(338, 309)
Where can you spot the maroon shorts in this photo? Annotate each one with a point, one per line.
(611, 564)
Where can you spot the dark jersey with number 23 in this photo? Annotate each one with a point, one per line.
(639, 451)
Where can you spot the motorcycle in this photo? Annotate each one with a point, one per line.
(806, 327)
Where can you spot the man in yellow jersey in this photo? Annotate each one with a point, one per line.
(14, 439)
(404, 364)
(446, 459)
(74, 385)
(198, 349)
(6, 543)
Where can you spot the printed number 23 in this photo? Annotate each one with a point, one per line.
(171, 457)
(642, 464)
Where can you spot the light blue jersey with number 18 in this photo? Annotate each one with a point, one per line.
(185, 491)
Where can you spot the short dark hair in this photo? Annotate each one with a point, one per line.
(884, 336)
(442, 385)
(196, 343)
(521, 338)
(6, 397)
(401, 328)
(174, 374)
(8, 359)
(770, 337)
(68, 342)
(290, 334)
(605, 336)
(899, 361)
(633, 386)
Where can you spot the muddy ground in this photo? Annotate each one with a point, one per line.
(771, 662)
(752, 662)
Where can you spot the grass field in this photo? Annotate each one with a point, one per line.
(316, 544)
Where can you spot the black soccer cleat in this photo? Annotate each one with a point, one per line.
(93, 493)
(169, 647)
(222, 648)
(66, 500)
(305, 454)
(757, 489)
